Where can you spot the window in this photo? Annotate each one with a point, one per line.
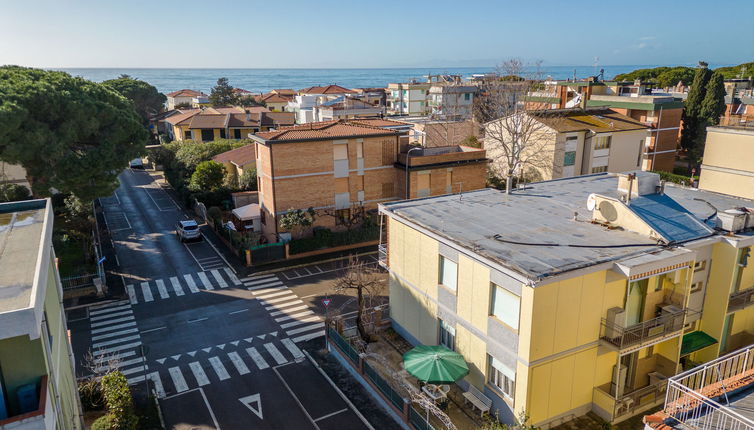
(571, 138)
(222, 133)
(448, 273)
(208, 134)
(700, 265)
(501, 377)
(237, 133)
(697, 286)
(602, 142)
(187, 134)
(505, 306)
(341, 216)
(570, 158)
(467, 96)
(447, 335)
(600, 169)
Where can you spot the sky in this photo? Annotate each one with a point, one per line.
(364, 34)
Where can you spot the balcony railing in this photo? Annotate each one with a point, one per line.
(741, 300)
(382, 255)
(693, 396)
(640, 400)
(639, 334)
(31, 419)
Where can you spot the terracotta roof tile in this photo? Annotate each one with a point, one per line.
(239, 156)
(323, 130)
(275, 98)
(185, 93)
(204, 120)
(328, 89)
(379, 122)
(185, 115)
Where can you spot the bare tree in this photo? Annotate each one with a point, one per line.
(516, 138)
(349, 217)
(364, 279)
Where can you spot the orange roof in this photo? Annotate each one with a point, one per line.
(379, 122)
(329, 89)
(275, 98)
(185, 93)
(182, 116)
(239, 156)
(325, 130)
(284, 91)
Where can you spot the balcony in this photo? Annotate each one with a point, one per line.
(741, 300)
(30, 419)
(715, 395)
(631, 403)
(645, 333)
(442, 154)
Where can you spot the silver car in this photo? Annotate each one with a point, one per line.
(187, 230)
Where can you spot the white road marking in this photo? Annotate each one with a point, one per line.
(309, 336)
(265, 285)
(257, 357)
(307, 328)
(205, 281)
(253, 399)
(280, 299)
(294, 316)
(99, 345)
(131, 294)
(237, 312)
(111, 309)
(114, 327)
(157, 382)
(153, 329)
(275, 353)
(299, 322)
(292, 348)
(119, 355)
(115, 333)
(133, 370)
(331, 414)
(232, 276)
(108, 305)
(178, 381)
(126, 363)
(219, 368)
(176, 286)
(197, 320)
(258, 277)
(118, 320)
(220, 281)
(238, 362)
(112, 315)
(288, 311)
(274, 293)
(268, 290)
(283, 306)
(136, 379)
(161, 288)
(116, 348)
(146, 291)
(190, 282)
(201, 377)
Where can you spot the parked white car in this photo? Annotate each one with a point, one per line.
(187, 230)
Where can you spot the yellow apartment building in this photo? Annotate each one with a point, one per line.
(208, 124)
(337, 167)
(728, 162)
(573, 295)
(38, 387)
(571, 142)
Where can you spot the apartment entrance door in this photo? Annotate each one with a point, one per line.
(637, 291)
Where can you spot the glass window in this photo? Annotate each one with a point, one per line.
(340, 151)
(187, 134)
(602, 142)
(571, 138)
(570, 158)
(222, 133)
(700, 265)
(501, 377)
(505, 306)
(448, 273)
(237, 133)
(467, 96)
(447, 335)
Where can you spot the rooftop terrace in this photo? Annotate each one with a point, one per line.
(21, 229)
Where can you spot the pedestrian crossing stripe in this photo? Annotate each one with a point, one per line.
(149, 291)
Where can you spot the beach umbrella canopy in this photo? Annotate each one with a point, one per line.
(435, 364)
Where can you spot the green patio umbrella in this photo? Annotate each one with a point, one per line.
(435, 364)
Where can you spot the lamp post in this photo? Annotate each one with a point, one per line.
(408, 155)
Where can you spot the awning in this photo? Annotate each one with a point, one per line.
(695, 341)
(248, 212)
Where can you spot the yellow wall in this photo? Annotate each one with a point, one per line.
(716, 297)
(730, 149)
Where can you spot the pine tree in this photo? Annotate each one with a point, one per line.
(693, 104)
(713, 104)
(222, 94)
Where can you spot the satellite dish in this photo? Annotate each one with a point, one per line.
(591, 202)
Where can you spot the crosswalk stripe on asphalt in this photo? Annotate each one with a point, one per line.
(191, 284)
(113, 327)
(157, 382)
(178, 382)
(109, 310)
(120, 313)
(108, 322)
(161, 289)
(205, 281)
(199, 375)
(131, 294)
(176, 286)
(220, 370)
(115, 333)
(287, 311)
(220, 281)
(257, 357)
(146, 292)
(292, 348)
(232, 276)
(238, 362)
(305, 329)
(275, 353)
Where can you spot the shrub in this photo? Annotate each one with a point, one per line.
(90, 392)
(120, 407)
(248, 179)
(324, 238)
(219, 197)
(13, 193)
(207, 176)
(215, 213)
(677, 179)
(105, 422)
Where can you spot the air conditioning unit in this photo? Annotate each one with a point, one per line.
(618, 385)
(616, 320)
(732, 220)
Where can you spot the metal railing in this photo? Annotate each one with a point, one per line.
(80, 281)
(738, 121)
(638, 334)
(740, 300)
(639, 400)
(694, 397)
(382, 255)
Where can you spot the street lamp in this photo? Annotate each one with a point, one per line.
(408, 154)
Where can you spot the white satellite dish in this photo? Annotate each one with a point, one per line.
(591, 202)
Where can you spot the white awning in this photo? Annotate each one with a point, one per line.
(247, 213)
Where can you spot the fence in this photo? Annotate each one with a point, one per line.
(388, 394)
(267, 253)
(690, 395)
(80, 281)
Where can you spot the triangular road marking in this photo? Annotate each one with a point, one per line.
(249, 339)
(192, 353)
(221, 346)
(254, 399)
(234, 343)
(161, 360)
(274, 333)
(207, 349)
(261, 336)
(175, 357)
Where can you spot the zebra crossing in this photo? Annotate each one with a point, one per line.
(286, 308)
(174, 375)
(116, 340)
(177, 286)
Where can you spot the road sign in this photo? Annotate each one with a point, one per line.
(254, 399)
(101, 260)
(326, 302)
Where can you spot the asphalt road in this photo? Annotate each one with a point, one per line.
(218, 351)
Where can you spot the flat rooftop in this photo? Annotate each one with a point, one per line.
(21, 228)
(543, 214)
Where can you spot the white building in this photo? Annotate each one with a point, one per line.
(452, 101)
(307, 99)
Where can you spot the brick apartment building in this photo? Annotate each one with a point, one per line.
(336, 167)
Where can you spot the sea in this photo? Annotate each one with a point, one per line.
(263, 80)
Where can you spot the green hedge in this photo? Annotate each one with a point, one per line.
(120, 408)
(676, 179)
(325, 238)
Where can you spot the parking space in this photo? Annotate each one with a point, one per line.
(204, 255)
(189, 410)
(116, 220)
(160, 198)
